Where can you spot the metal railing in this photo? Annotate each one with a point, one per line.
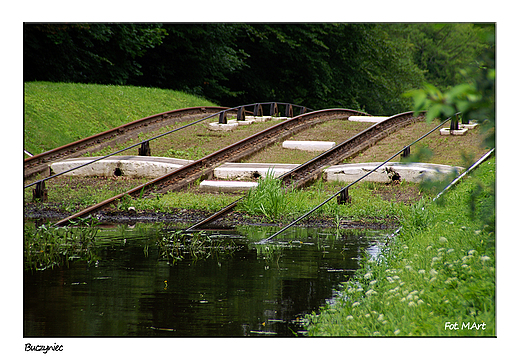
(258, 111)
(344, 190)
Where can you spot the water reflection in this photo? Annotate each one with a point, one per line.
(256, 290)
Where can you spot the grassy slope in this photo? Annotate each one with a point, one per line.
(439, 270)
(59, 113)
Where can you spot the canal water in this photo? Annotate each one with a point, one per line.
(243, 289)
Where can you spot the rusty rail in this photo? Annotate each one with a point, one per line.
(312, 169)
(39, 163)
(188, 174)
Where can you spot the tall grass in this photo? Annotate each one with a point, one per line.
(267, 199)
(45, 246)
(59, 113)
(438, 272)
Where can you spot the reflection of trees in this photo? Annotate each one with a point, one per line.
(131, 293)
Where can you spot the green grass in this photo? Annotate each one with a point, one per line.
(440, 270)
(267, 199)
(60, 113)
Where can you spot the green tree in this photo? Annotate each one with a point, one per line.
(195, 58)
(442, 50)
(89, 53)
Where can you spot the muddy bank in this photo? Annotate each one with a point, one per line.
(189, 217)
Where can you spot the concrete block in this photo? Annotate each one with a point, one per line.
(309, 145)
(447, 132)
(258, 118)
(412, 172)
(226, 186)
(216, 126)
(374, 119)
(471, 125)
(245, 122)
(132, 166)
(250, 171)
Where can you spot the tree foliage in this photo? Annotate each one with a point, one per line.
(89, 53)
(319, 65)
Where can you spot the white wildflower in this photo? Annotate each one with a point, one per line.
(485, 258)
(412, 304)
(371, 292)
(390, 280)
(433, 272)
(397, 332)
(443, 240)
(471, 252)
(373, 282)
(421, 271)
(356, 304)
(350, 317)
(368, 275)
(381, 317)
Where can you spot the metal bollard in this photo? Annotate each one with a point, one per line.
(40, 193)
(405, 153)
(258, 110)
(289, 111)
(144, 150)
(344, 197)
(273, 109)
(454, 125)
(241, 113)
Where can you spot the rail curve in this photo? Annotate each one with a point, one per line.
(203, 167)
(312, 169)
(38, 163)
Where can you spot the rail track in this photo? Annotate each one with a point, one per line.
(313, 168)
(39, 163)
(204, 167)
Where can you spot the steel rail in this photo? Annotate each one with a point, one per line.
(310, 170)
(125, 149)
(470, 169)
(189, 173)
(58, 153)
(349, 185)
(38, 163)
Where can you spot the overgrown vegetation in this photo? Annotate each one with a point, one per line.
(46, 246)
(319, 65)
(437, 277)
(179, 245)
(267, 199)
(439, 270)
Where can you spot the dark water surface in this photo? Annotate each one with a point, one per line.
(253, 290)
